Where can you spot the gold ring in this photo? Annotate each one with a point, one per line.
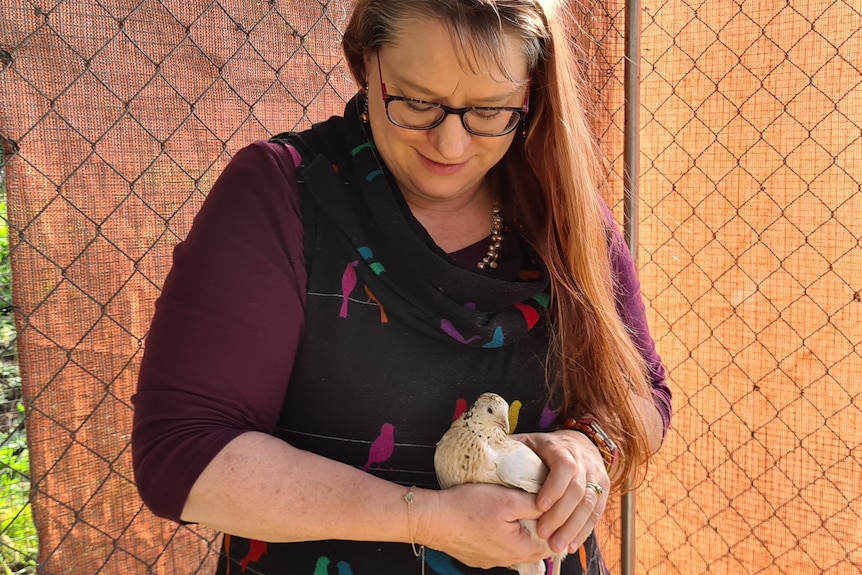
(596, 488)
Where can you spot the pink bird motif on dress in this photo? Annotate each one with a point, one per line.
(382, 447)
(348, 282)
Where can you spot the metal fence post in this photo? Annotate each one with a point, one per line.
(631, 166)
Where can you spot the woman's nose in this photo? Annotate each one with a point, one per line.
(450, 138)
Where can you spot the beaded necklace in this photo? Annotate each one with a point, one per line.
(490, 260)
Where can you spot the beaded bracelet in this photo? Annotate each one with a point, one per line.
(592, 429)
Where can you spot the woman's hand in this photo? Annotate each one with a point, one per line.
(571, 509)
(478, 524)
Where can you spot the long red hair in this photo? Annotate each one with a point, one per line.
(549, 186)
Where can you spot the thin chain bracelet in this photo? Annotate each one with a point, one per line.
(408, 499)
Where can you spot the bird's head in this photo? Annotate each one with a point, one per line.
(492, 410)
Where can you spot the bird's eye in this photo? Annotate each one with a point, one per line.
(491, 411)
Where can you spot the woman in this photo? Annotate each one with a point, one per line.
(340, 299)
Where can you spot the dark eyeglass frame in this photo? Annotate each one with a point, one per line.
(387, 98)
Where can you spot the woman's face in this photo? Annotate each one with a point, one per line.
(445, 163)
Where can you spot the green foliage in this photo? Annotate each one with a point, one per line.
(18, 539)
(5, 268)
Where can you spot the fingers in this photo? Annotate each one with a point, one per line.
(593, 499)
(484, 526)
(574, 516)
(576, 491)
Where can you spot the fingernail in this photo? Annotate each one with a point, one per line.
(544, 504)
(557, 544)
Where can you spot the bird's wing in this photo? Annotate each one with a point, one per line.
(519, 466)
(462, 457)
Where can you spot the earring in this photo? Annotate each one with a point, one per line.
(364, 114)
(524, 127)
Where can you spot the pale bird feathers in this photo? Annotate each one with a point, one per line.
(477, 448)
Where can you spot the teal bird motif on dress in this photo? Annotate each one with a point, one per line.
(322, 567)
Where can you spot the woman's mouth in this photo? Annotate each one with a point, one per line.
(441, 169)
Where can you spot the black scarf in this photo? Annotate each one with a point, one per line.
(407, 273)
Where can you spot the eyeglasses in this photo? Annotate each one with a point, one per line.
(478, 120)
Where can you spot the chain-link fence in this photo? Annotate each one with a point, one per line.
(750, 231)
(116, 116)
(123, 112)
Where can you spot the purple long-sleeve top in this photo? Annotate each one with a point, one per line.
(230, 320)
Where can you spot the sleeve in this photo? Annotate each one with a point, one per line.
(631, 308)
(226, 328)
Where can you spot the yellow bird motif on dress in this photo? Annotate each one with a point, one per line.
(477, 448)
(514, 414)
